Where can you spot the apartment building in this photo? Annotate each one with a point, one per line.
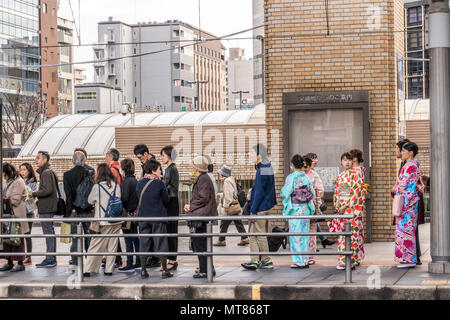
(240, 79)
(65, 72)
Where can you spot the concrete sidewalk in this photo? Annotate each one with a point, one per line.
(376, 278)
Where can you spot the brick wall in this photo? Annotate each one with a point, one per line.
(359, 54)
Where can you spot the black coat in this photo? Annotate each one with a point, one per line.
(154, 200)
(130, 198)
(72, 180)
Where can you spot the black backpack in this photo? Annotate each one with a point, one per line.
(242, 197)
(275, 242)
(83, 191)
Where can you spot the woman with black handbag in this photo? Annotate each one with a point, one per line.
(14, 206)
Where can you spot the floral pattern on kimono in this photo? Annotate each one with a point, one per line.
(407, 186)
(297, 243)
(319, 190)
(349, 194)
(361, 171)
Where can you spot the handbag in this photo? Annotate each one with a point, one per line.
(65, 229)
(234, 209)
(127, 224)
(11, 228)
(194, 224)
(61, 210)
(94, 227)
(397, 205)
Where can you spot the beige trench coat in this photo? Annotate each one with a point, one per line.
(16, 194)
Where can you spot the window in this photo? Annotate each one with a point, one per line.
(177, 99)
(53, 76)
(86, 95)
(53, 100)
(52, 32)
(53, 11)
(44, 8)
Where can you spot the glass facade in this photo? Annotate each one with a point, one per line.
(19, 41)
(418, 70)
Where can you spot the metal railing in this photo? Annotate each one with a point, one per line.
(209, 235)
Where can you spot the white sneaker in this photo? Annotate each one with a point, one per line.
(340, 267)
(406, 265)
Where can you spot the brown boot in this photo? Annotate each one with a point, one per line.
(220, 243)
(243, 242)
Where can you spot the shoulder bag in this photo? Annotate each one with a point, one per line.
(127, 224)
(397, 206)
(61, 210)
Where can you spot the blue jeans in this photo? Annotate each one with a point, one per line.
(322, 238)
(132, 244)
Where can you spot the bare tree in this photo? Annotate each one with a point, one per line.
(21, 115)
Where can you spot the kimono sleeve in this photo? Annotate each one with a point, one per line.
(357, 195)
(286, 192)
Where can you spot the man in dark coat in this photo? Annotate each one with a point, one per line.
(72, 179)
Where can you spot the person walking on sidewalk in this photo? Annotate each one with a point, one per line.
(154, 200)
(171, 181)
(231, 207)
(78, 183)
(15, 195)
(29, 176)
(298, 200)
(47, 196)
(203, 204)
(99, 197)
(130, 202)
(263, 199)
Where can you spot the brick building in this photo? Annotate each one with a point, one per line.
(342, 80)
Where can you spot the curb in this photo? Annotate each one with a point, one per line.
(221, 292)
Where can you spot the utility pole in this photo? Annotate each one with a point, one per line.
(240, 97)
(440, 135)
(261, 38)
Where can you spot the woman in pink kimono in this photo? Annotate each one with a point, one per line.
(319, 191)
(408, 185)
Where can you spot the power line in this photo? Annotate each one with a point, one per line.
(314, 35)
(137, 55)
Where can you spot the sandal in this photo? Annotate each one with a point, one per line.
(172, 266)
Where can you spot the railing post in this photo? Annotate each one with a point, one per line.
(80, 249)
(348, 258)
(209, 249)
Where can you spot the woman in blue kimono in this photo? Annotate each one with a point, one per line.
(298, 195)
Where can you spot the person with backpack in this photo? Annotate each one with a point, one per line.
(263, 199)
(231, 205)
(78, 183)
(47, 196)
(298, 200)
(112, 160)
(105, 197)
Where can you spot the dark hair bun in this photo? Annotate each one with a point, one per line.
(411, 146)
(357, 153)
(298, 161)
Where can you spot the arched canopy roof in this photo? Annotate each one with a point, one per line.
(96, 133)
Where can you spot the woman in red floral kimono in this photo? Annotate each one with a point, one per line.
(357, 156)
(348, 199)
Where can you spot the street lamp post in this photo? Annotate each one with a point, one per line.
(440, 136)
(129, 108)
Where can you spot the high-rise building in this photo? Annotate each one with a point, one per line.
(240, 79)
(19, 41)
(258, 55)
(49, 55)
(65, 72)
(159, 75)
(417, 71)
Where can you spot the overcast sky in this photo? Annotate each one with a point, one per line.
(217, 16)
